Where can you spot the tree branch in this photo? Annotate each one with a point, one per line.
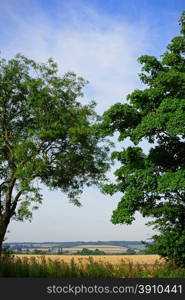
(3, 183)
(9, 195)
(14, 204)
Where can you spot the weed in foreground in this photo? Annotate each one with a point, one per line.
(11, 266)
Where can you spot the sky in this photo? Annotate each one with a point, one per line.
(99, 40)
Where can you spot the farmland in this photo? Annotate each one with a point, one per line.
(108, 247)
(115, 263)
(112, 259)
(74, 266)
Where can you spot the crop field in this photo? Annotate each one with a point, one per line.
(100, 266)
(112, 259)
(105, 248)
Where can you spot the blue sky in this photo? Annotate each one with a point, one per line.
(101, 41)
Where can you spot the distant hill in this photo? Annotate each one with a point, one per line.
(108, 249)
(76, 243)
(58, 247)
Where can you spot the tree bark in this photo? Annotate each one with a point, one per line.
(9, 210)
(3, 227)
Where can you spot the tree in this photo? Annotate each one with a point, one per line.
(130, 252)
(46, 136)
(86, 251)
(153, 183)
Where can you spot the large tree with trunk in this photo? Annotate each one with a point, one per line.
(153, 183)
(46, 136)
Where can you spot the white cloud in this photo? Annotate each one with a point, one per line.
(102, 50)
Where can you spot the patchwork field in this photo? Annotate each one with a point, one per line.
(105, 248)
(113, 259)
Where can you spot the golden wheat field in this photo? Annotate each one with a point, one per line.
(113, 259)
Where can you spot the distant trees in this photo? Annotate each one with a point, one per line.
(38, 251)
(130, 252)
(46, 136)
(153, 183)
(86, 251)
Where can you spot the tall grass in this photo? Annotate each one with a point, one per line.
(11, 266)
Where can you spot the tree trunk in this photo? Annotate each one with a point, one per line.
(0, 247)
(3, 227)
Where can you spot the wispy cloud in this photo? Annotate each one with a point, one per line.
(102, 50)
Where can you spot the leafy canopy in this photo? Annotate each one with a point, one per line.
(153, 183)
(46, 136)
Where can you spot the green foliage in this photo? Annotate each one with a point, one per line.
(154, 183)
(37, 251)
(130, 252)
(170, 244)
(46, 136)
(86, 251)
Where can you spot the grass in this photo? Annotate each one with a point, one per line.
(14, 266)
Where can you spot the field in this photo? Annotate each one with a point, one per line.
(109, 247)
(74, 266)
(138, 247)
(112, 259)
(105, 248)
